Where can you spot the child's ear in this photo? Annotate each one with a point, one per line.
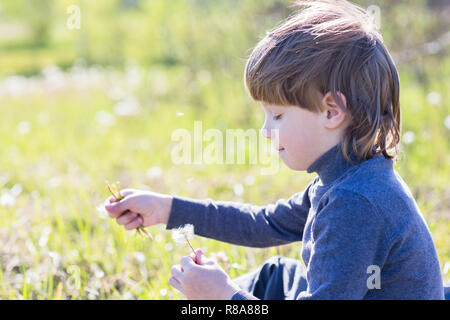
(333, 114)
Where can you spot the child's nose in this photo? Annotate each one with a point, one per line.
(265, 132)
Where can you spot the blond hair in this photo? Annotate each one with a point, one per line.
(332, 46)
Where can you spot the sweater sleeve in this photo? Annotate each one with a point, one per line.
(244, 224)
(347, 234)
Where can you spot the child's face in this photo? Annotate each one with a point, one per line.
(302, 135)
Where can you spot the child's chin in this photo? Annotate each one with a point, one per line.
(293, 166)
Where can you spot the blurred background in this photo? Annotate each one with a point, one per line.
(92, 91)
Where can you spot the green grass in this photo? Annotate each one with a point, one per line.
(62, 167)
(53, 237)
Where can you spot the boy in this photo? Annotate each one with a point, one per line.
(330, 90)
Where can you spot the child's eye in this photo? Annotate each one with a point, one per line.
(278, 117)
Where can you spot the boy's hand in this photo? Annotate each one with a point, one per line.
(139, 208)
(204, 280)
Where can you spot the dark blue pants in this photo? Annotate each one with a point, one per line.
(279, 278)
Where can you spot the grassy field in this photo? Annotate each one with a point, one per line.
(100, 103)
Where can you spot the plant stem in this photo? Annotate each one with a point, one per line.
(189, 244)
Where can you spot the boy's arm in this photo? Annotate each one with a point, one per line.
(244, 224)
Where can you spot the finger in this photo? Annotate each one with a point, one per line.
(202, 260)
(186, 263)
(177, 273)
(176, 284)
(126, 218)
(126, 192)
(198, 256)
(117, 208)
(137, 222)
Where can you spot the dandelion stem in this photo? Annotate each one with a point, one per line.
(189, 243)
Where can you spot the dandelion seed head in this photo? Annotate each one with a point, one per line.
(447, 122)
(23, 127)
(434, 98)
(102, 211)
(127, 107)
(128, 296)
(154, 172)
(409, 137)
(446, 268)
(30, 246)
(140, 257)
(99, 274)
(55, 257)
(7, 199)
(182, 233)
(16, 190)
(105, 118)
(238, 189)
(44, 237)
(92, 293)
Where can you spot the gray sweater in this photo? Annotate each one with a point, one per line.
(352, 219)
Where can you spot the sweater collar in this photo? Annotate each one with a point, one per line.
(332, 164)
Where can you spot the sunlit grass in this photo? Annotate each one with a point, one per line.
(63, 133)
(54, 173)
